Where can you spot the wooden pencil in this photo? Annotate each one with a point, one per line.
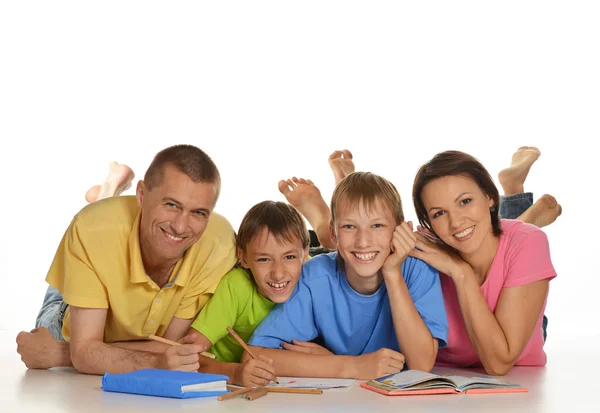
(235, 393)
(174, 343)
(296, 390)
(256, 393)
(245, 346)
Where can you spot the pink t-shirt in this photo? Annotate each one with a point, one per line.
(523, 257)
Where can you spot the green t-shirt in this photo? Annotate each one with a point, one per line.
(236, 303)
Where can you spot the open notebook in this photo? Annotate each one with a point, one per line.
(166, 383)
(414, 382)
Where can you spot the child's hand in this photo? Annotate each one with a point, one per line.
(378, 364)
(306, 347)
(403, 242)
(254, 372)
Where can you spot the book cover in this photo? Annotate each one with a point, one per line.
(166, 383)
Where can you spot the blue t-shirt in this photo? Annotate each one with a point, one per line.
(325, 305)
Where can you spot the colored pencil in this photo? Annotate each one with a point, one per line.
(174, 343)
(245, 346)
(234, 393)
(256, 393)
(297, 390)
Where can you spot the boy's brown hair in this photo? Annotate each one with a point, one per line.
(366, 188)
(282, 220)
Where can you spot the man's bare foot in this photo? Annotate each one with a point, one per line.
(543, 212)
(513, 177)
(341, 164)
(306, 198)
(118, 181)
(39, 350)
(92, 194)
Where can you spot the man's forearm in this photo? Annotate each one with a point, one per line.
(96, 357)
(142, 345)
(293, 364)
(414, 338)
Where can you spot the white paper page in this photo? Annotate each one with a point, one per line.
(408, 378)
(312, 382)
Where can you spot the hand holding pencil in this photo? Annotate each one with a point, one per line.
(183, 356)
(258, 371)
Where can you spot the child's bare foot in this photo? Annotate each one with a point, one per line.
(39, 350)
(513, 177)
(306, 198)
(543, 212)
(341, 164)
(118, 180)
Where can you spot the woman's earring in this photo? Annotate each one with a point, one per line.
(492, 209)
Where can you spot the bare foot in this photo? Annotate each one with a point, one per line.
(341, 164)
(543, 212)
(118, 181)
(39, 350)
(306, 198)
(513, 177)
(92, 194)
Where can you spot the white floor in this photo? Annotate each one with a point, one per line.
(567, 384)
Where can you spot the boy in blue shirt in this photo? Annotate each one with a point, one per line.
(377, 309)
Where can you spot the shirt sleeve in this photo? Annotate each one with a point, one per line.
(291, 320)
(425, 289)
(204, 285)
(529, 260)
(219, 313)
(73, 275)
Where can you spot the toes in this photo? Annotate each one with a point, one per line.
(347, 154)
(335, 155)
(550, 200)
(309, 182)
(283, 187)
(302, 181)
(559, 209)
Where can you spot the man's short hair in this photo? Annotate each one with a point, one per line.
(188, 159)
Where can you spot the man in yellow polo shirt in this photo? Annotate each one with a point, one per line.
(128, 267)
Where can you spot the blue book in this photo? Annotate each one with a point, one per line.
(166, 383)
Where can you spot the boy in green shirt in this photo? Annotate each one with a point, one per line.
(272, 244)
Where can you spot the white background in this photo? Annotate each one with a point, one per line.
(269, 89)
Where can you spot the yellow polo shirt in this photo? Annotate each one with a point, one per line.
(99, 265)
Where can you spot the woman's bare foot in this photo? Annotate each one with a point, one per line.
(543, 212)
(513, 177)
(39, 350)
(341, 164)
(118, 181)
(306, 198)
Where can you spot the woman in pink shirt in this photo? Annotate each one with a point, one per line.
(495, 272)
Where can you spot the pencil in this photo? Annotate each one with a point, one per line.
(235, 393)
(245, 346)
(256, 393)
(174, 343)
(297, 390)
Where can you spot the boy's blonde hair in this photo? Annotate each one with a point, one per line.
(366, 188)
(282, 220)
